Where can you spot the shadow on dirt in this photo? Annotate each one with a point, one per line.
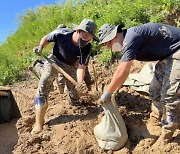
(176, 139)
(92, 112)
(136, 106)
(135, 110)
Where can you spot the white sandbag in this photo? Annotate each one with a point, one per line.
(141, 81)
(111, 133)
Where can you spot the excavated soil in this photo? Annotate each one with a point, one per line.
(69, 129)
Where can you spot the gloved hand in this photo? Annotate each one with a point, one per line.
(105, 97)
(81, 87)
(38, 50)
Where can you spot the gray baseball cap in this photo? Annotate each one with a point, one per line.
(107, 32)
(88, 26)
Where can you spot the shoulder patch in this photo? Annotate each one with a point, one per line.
(165, 31)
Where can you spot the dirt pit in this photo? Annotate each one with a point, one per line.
(69, 129)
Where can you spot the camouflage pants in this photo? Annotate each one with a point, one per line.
(165, 89)
(48, 74)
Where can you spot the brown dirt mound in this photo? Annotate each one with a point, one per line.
(69, 129)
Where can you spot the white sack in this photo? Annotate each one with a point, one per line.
(111, 133)
(141, 81)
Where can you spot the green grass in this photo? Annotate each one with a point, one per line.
(16, 52)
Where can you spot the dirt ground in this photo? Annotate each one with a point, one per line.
(69, 129)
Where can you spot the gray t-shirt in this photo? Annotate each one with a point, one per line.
(150, 42)
(65, 50)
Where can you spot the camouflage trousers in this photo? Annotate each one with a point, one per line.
(48, 74)
(165, 89)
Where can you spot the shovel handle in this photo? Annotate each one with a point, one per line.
(66, 75)
(59, 69)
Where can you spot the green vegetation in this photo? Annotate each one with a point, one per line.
(16, 52)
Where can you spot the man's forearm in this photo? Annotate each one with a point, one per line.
(44, 41)
(80, 73)
(117, 81)
(119, 76)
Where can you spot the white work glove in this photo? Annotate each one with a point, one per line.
(38, 50)
(81, 87)
(105, 97)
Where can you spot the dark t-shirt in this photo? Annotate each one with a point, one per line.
(65, 50)
(150, 42)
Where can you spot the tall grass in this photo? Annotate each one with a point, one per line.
(16, 52)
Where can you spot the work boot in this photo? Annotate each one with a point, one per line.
(40, 110)
(71, 96)
(165, 137)
(170, 119)
(170, 124)
(67, 96)
(155, 115)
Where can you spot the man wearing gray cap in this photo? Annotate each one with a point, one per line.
(71, 48)
(149, 42)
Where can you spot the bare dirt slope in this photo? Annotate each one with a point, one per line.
(69, 129)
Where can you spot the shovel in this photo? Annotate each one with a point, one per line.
(67, 76)
(59, 69)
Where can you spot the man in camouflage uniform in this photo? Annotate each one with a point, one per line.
(165, 95)
(149, 42)
(71, 51)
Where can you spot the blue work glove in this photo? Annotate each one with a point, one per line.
(105, 97)
(38, 50)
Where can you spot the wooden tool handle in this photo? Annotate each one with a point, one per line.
(59, 69)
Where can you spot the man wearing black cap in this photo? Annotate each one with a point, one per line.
(149, 42)
(70, 47)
